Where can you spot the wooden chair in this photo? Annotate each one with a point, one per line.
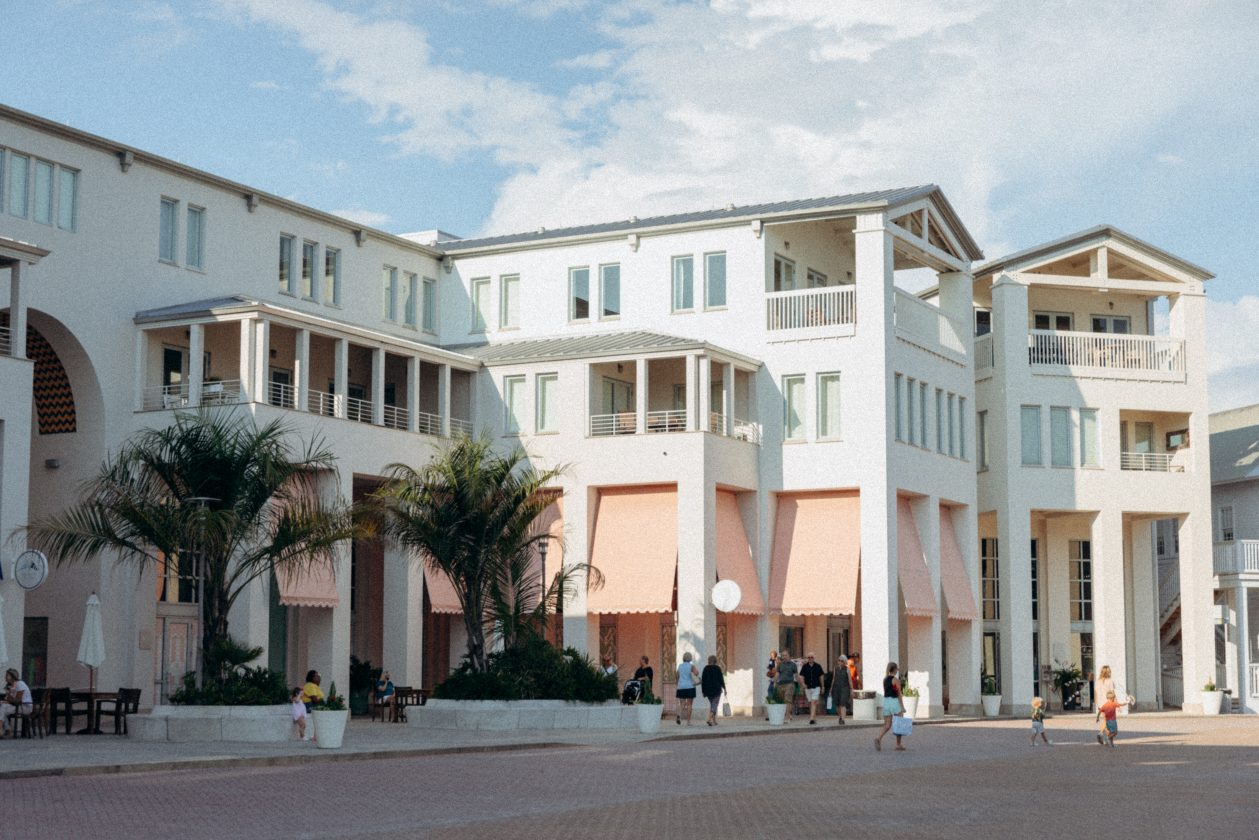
(61, 704)
(128, 703)
(382, 707)
(36, 720)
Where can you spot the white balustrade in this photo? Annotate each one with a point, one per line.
(804, 308)
(1121, 353)
(428, 424)
(621, 423)
(745, 430)
(983, 353)
(158, 397)
(358, 410)
(459, 426)
(282, 395)
(1149, 461)
(666, 421)
(395, 417)
(321, 402)
(1236, 557)
(6, 341)
(1254, 680)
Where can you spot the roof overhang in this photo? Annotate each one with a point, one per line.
(605, 347)
(15, 250)
(1160, 262)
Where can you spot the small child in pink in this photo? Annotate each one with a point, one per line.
(299, 713)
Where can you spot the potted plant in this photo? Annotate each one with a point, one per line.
(1067, 681)
(650, 709)
(776, 709)
(909, 697)
(330, 717)
(863, 705)
(363, 679)
(1211, 698)
(990, 696)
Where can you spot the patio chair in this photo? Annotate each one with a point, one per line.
(128, 703)
(36, 720)
(384, 707)
(62, 704)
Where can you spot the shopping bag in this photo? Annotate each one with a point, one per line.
(902, 725)
(830, 703)
(725, 709)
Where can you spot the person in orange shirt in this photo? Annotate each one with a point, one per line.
(853, 672)
(1107, 731)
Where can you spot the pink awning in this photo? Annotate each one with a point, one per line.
(636, 549)
(442, 597)
(734, 555)
(817, 554)
(911, 564)
(956, 583)
(315, 586)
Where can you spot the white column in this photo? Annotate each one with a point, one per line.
(140, 367)
(705, 386)
(301, 370)
(413, 393)
(641, 387)
(727, 399)
(965, 637)
(262, 359)
(692, 400)
(17, 312)
(1014, 537)
(340, 376)
(1109, 642)
(1250, 703)
(1144, 682)
(245, 358)
(443, 397)
(378, 386)
(402, 646)
(327, 631)
(196, 363)
(924, 655)
(697, 570)
(579, 511)
(249, 617)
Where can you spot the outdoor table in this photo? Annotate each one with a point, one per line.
(93, 699)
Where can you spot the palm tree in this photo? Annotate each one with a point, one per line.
(214, 491)
(471, 514)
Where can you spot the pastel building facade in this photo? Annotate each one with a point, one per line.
(748, 394)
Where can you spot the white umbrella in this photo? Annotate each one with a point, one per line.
(4, 647)
(92, 642)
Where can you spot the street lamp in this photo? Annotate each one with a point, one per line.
(543, 547)
(198, 572)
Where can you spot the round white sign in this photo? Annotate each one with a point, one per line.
(727, 595)
(30, 569)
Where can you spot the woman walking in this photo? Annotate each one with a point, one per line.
(892, 705)
(687, 675)
(713, 684)
(1104, 685)
(841, 688)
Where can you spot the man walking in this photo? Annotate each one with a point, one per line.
(811, 676)
(788, 676)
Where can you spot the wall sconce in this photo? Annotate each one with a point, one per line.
(273, 353)
(251, 201)
(52, 463)
(125, 159)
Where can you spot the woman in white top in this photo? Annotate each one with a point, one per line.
(688, 674)
(1102, 685)
(17, 698)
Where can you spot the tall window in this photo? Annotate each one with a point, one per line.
(546, 405)
(67, 198)
(286, 264)
(961, 428)
(578, 294)
(922, 414)
(389, 293)
(1035, 548)
(309, 256)
(1088, 438)
(1060, 437)
(332, 276)
(509, 302)
(897, 387)
(981, 439)
(43, 193)
(911, 425)
(940, 420)
(1030, 417)
(19, 177)
(715, 280)
(166, 231)
(1226, 523)
(1080, 562)
(983, 321)
(610, 290)
(430, 305)
(683, 283)
(952, 436)
(784, 274)
(793, 407)
(828, 405)
(194, 246)
(990, 579)
(410, 293)
(514, 403)
(480, 303)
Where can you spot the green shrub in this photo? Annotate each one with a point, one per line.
(243, 686)
(532, 670)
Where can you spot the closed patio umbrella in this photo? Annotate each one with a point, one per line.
(4, 646)
(92, 642)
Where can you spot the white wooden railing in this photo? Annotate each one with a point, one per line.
(621, 423)
(983, 353)
(919, 320)
(358, 410)
(804, 308)
(1236, 557)
(1149, 462)
(1134, 353)
(6, 341)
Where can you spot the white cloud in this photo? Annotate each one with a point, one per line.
(370, 218)
(601, 60)
(160, 29)
(542, 8)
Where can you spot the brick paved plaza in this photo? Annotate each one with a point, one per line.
(1169, 777)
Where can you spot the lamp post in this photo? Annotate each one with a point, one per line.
(543, 547)
(198, 575)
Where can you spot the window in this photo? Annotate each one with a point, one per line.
(793, 407)
(480, 302)
(784, 274)
(1035, 549)
(67, 198)
(922, 414)
(410, 291)
(1057, 321)
(940, 420)
(828, 405)
(610, 290)
(194, 246)
(1178, 439)
(430, 305)
(1080, 561)
(981, 438)
(1225, 518)
(814, 279)
(1060, 437)
(1088, 438)
(1116, 324)
(983, 321)
(897, 388)
(912, 427)
(715, 280)
(1030, 416)
(547, 403)
(332, 276)
(991, 653)
(578, 294)
(683, 283)
(308, 270)
(19, 173)
(513, 403)
(961, 428)
(952, 437)
(43, 193)
(509, 302)
(990, 579)
(286, 264)
(389, 293)
(166, 231)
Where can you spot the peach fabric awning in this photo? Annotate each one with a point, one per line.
(734, 555)
(636, 549)
(442, 597)
(817, 554)
(954, 580)
(315, 586)
(911, 565)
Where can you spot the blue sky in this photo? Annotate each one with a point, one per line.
(1036, 119)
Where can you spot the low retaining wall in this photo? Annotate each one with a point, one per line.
(499, 715)
(213, 723)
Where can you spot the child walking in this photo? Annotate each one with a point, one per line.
(1038, 720)
(299, 713)
(1107, 731)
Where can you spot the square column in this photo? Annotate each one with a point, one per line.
(923, 653)
(965, 637)
(1144, 681)
(1014, 567)
(245, 359)
(1250, 703)
(17, 312)
(640, 395)
(579, 507)
(1109, 630)
(443, 398)
(340, 376)
(140, 370)
(1197, 607)
(378, 386)
(262, 359)
(413, 393)
(697, 568)
(692, 404)
(727, 398)
(402, 645)
(327, 631)
(196, 363)
(301, 371)
(705, 389)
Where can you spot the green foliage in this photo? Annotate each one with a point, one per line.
(244, 686)
(533, 670)
(363, 676)
(1209, 685)
(773, 700)
(648, 697)
(988, 686)
(332, 702)
(1066, 677)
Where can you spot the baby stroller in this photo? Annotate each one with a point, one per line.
(632, 692)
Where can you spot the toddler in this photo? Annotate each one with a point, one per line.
(299, 713)
(1038, 720)
(1107, 731)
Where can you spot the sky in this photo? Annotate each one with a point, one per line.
(493, 116)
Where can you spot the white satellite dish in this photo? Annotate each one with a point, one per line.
(727, 595)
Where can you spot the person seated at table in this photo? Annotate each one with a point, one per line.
(385, 692)
(311, 692)
(17, 698)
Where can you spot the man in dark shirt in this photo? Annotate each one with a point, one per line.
(811, 676)
(644, 672)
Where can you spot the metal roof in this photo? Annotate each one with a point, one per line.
(732, 214)
(198, 308)
(586, 346)
(1098, 232)
(1235, 445)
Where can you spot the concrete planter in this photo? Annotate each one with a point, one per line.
(777, 713)
(1211, 702)
(865, 708)
(507, 715)
(330, 728)
(251, 724)
(911, 706)
(992, 704)
(649, 717)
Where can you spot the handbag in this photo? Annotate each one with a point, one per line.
(725, 709)
(902, 725)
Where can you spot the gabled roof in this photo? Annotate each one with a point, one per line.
(772, 211)
(588, 346)
(1085, 237)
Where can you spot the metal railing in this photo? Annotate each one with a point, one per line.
(158, 397)
(983, 353)
(282, 395)
(1149, 462)
(1235, 557)
(321, 402)
(428, 424)
(745, 430)
(621, 423)
(394, 417)
(804, 308)
(666, 421)
(358, 410)
(222, 392)
(1124, 353)
(459, 426)
(1254, 679)
(6, 341)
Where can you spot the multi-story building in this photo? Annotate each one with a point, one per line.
(749, 394)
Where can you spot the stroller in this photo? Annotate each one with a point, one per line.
(632, 692)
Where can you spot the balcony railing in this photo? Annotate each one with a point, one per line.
(666, 421)
(1254, 680)
(1236, 557)
(394, 417)
(358, 410)
(805, 308)
(740, 429)
(921, 321)
(321, 402)
(158, 397)
(282, 395)
(6, 341)
(983, 354)
(621, 423)
(1119, 353)
(1149, 462)
(459, 426)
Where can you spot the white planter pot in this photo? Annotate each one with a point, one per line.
(777, 713)
(992, 704)
(911, 706)
(330, 728)
(1211, 702)
(864, 708)
(649, 717)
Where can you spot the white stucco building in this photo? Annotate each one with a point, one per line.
(750, 393)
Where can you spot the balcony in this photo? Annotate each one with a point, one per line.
(225, 392)
(1152, 461)
(6, 341)
(830, 310)
(1236, 557)
(925, 325)
(1107, 355)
